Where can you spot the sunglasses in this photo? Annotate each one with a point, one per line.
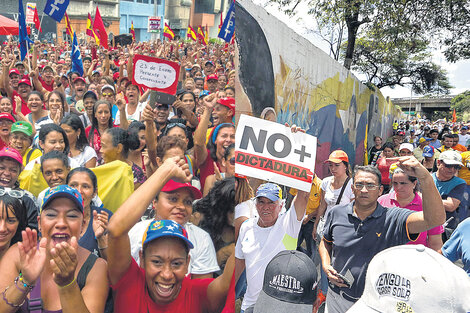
(455, 166)
(12, 193)
(107, 94)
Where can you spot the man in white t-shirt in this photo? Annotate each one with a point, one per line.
(464, 136)
(261, 238)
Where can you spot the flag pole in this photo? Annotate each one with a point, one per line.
(29, 62)
(40, 23)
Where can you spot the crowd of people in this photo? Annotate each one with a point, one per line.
(111, 202)
(413, 192)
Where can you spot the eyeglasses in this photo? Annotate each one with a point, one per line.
(454, 166)
(12, 193)
(232, 161)
(360, 186)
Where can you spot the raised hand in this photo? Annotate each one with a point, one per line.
(100, 223)
(179, 169)
(210, 101)
(411, 166)
(64, 262)
(120, 102)
(32, 257)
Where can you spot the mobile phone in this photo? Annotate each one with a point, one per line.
(348, 279)
(160, 98)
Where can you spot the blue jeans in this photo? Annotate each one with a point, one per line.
(240, 287)
(306, 234)
(464, 205)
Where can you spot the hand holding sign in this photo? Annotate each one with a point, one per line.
(278, 154)
(156, 74)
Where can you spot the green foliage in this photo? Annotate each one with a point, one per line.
(461, 104)
(389, 40)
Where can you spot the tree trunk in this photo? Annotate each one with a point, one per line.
(352, 34)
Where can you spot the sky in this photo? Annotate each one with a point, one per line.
(301, 23)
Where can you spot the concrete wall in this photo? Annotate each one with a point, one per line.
(280, 69)
(138, 13)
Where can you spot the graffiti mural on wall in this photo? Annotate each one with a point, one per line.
(280, 69)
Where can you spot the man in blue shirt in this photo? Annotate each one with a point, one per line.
(354, 233)
(458, 245)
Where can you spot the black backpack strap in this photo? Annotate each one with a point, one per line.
(86, 268)
(342, 190)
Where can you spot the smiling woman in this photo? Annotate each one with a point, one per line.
(54, 266)
(12, 221)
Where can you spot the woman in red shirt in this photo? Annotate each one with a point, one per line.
(101, 122)
(160, 284)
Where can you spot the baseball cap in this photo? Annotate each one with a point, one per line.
(11, 153)
(90, 94)
(464, 127)
(203, 93)
(22, 127)
(79, 78)
(7, 116)
(227, 102)
(338, 156)
(196, 65)
(428, 151)
(423, 139)
(116, 76)
(165, 228)
(405, 279)
(109, 87)
(95, 72)
(209, 62)
(19, 63)
(289, 285)
(14, 71)
(269, 190)
(172, 185)
(63, 191)
(87, 57)
(25, 81)
(48, 67)
(401, 133)
(407, 146)
(212, 77)
(451, 157)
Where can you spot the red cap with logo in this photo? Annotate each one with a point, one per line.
(25, 81)
(212, 77)
(7, 116)
(228, 102)
(14, 71)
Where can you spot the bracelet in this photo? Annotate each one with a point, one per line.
(20, 278)
(6, 300)
(69, 284)
(102, 248)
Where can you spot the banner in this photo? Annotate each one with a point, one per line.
(270, 151)
(155, 24)
(30, 7)
(228, 27)
(56, 9)
(156, 74)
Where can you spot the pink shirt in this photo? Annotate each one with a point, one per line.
(390, 200)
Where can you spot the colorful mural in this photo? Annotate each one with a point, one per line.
(280, 69)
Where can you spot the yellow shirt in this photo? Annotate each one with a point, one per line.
(35, 154)
(464, 172)
(314, 197)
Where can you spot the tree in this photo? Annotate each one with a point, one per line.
(461, 104)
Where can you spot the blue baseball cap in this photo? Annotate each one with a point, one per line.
(269, 190)
(166, 228)
(428, 151)
(63, 191)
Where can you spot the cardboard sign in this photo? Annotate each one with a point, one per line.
(270, 151)
(154, 24)
(30, 12)
(156, 74)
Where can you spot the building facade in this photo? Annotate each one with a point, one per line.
(138, 12)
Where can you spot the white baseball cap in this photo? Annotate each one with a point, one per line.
(406, 145)
(413, 278)
(451, 157)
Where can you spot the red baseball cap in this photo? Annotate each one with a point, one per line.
(338, 156)
(228, 102)
(12, 154)
(171, 185)
(14, 71)
(7, 116)
(116, 76)
(212, 77)
(79, 78)
(25, 81)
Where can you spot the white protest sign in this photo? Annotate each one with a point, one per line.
(270, 151)
(156, 74)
